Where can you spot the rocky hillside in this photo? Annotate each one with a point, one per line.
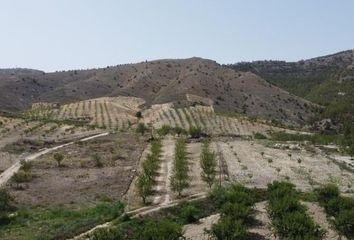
(319, 79)
(327, 80)
(160, 81)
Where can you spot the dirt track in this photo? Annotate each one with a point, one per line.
(8, 173)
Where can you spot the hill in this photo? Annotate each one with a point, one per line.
(327, 80)
(183, 82)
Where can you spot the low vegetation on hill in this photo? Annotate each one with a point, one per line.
(327, 80)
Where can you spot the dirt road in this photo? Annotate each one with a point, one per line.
(8, 173)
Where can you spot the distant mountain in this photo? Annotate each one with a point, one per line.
(159, 81)
(327, 80)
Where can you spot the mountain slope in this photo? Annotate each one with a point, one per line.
(156, 82)
(327, 80)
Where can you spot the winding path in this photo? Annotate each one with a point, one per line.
(8, 173)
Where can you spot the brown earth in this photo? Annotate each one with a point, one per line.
(157, 82)
(79, 181)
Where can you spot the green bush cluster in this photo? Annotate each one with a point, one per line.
(23, 175)
(235, 203)
(195, 132)
(6, 206)
(59, 222)
(146, 177)
(258, 135)
(142, 229)
(180, 177)
(289, 217)
(339, 207)
(166, 129)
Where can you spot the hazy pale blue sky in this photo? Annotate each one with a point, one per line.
(73, 34)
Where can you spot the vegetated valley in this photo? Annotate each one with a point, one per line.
(173, 149)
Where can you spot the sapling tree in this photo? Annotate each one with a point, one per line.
(58, 157)
(180, 178)
(143, 186)
(208, 164)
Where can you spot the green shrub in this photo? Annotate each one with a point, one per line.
(97, 159)
(344, 222)
(58, 157)
(107, 234)
(190, 213)
(297, 225)
(26, 165)
(21, 177)
(159, 230)
(234, 193)
(327, 192)
(239, 211)
(341, 208)
(235, 202)
(6, 206)
(195, 132)
(164, 130)
(289, 217)
(228, 228)
(259, 136)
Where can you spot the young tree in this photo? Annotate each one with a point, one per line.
(144, 186)
(138, 115)
(208, 164)
(58, 157)
(146, 178)
(97, 159)
(179, 178)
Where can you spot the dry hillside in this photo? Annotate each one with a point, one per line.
(157, 82)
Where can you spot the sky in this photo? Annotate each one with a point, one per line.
(55, 35)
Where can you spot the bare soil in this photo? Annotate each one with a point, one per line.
(79, 181)
(256, 164)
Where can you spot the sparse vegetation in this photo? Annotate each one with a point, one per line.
(141, 128)
(58, 157)
(97, 160)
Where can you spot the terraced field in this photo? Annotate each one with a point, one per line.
(205, 118)
(111, 113)
(120, 113)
